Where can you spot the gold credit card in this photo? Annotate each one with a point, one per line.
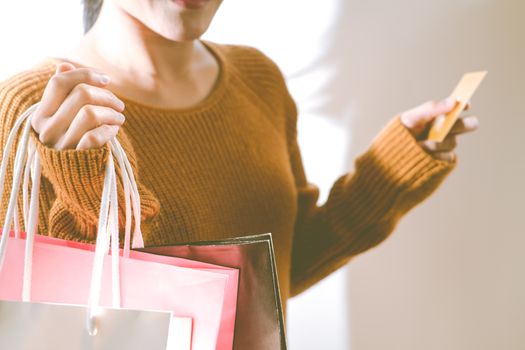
(463, 93)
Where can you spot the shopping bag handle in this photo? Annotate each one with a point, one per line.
(131, 193)
(108, 231)
(18, 164)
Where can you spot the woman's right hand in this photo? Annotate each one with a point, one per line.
(76, 111)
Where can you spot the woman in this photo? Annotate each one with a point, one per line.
(211, 132)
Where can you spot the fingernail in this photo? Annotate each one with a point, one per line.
(105, 79)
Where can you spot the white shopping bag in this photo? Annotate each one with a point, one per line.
(43, 326)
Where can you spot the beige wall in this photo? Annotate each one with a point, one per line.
(453, 274)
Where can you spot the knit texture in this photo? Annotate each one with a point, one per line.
(230, 166)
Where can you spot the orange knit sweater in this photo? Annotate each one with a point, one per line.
(231, 166)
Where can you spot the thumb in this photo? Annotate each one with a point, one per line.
(64, 67)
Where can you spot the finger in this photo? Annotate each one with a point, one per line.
(97, 137)
(61, 84)
(82, 94)
(37, 121)
(464, 125)
(448, 145)
(445, 156)
(89, 117)
(418, 118)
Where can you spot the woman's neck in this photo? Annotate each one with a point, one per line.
(128, 44)
(143, 63)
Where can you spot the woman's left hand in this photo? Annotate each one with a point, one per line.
(419, 120)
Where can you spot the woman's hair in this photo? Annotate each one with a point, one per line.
(91, 11)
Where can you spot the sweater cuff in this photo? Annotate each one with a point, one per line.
(397, 155)
(77, 176)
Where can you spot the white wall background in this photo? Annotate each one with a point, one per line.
(32, 29)
(451, 277)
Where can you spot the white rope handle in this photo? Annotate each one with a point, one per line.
(108, 231)
(113, 230)
(130, 190)
(16, 175)
(101, 248)
(25, 185)
(32, 225)
(138, 241)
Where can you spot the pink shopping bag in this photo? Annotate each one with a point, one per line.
(62, 274)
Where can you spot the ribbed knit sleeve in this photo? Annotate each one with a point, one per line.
(72, 179)
(363, 207)
(78, 177)
(16, 95)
